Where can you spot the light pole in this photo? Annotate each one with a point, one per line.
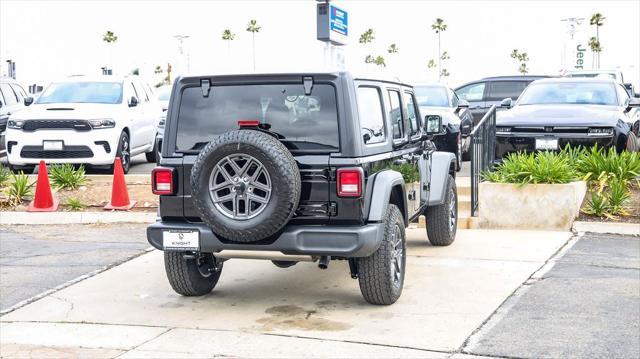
(181, 39)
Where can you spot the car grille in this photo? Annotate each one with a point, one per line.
(549, 129)
(68, 152)
(78, 125)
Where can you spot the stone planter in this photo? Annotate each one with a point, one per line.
(533, 206)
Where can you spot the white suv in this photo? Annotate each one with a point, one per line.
(84, 120)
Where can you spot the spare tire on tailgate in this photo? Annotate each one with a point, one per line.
(246, 185)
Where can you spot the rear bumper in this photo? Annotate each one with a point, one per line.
(342, 241)
(506, 144)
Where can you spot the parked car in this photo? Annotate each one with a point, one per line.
(13, 98)
(553, 113)
(86, 120)
(607, 74)
(281, 167)
(457, 121)
(484, 93)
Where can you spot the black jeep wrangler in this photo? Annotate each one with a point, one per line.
(298, 167)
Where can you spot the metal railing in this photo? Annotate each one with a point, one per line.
(482, 153)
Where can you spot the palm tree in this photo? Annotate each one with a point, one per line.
(522, 58)
(596, 48)
(110, 38)
(367, 37)
(439, 26)
(253, 27)
(228, 36)
(393, 49)
(379, 60)
(597, 20)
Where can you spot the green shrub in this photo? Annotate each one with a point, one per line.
(5, 174)
(409, 172)
(597, 205)
(619, 197)
(18, 189)
(67, 177)
(75, 204)
(602, 166)
(533, 168)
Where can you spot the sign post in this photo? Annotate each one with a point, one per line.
(333, 29)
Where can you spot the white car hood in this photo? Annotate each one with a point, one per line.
(72, 111)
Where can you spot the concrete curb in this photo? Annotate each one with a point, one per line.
(632, 229)
(9, 218)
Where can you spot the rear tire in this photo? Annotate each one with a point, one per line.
(442, 220)
(381, 275)
(192, 276)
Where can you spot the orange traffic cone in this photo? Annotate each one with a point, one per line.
(43, 201)
(119, 195)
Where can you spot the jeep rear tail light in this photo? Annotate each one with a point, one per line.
(162, 182)
(349, 182)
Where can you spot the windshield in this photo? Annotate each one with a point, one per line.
(432, 96)
(569, 93)
(301, 122)
(82, 92)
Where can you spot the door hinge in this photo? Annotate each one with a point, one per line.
(333, 209)
(205, 86)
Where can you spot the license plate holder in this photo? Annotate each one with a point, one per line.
(549, 144)
(52, 145)
(180, 240)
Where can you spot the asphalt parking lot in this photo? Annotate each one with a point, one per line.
(34, 259)
(448, 295)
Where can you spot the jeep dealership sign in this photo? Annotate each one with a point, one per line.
(333, 24)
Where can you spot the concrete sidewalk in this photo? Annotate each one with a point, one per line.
(258, 310)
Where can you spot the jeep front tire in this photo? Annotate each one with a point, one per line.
(381, 275)
(442, 220)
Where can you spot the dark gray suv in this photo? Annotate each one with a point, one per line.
(484, 93)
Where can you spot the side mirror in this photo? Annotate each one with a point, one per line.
(28, 101)
(463, 104)
(366, 137)
(506, 103)
(633, 102)
(628, 86)
(636, 95)
(133, 102)
(433, 124)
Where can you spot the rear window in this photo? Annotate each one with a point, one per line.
(301, 122)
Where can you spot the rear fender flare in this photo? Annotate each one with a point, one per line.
(384, 184)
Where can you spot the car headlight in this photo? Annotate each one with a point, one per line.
(603, 131)
(15, 124)
(502, 129)
(102, 123)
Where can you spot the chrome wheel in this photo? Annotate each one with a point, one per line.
(397, 255)
(240, 187)
(452, 211)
